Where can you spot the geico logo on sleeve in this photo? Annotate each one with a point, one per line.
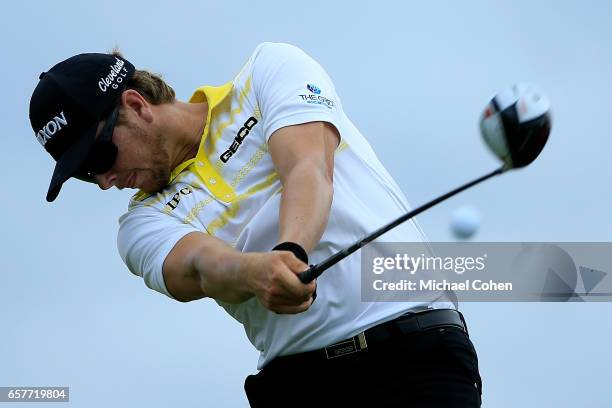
(55, 124)
(242, 133)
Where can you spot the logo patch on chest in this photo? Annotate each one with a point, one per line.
(176, 198)
(240, 136)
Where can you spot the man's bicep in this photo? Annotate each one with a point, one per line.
(313, 142)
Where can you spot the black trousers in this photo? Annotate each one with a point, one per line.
(432, 368)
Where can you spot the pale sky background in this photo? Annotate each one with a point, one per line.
(414, 78)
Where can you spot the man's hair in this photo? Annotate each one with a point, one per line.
(151, 86)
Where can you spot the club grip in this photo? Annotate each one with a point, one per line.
(309, 275)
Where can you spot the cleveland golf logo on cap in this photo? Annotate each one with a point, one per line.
(116, 74)
(51, 128)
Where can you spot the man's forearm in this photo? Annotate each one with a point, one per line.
(234, 277)
(222, 273)
(305, 204)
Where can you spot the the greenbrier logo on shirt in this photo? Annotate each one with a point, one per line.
(313, 88)
(315, 97)
(318, 100)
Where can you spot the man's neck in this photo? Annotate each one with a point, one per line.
(183, 123)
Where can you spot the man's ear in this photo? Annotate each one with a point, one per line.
(137, 104)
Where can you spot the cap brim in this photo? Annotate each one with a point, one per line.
(71, 161)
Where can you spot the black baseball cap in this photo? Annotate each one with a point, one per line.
(69, 102)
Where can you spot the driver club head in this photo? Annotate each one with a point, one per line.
(515, 125)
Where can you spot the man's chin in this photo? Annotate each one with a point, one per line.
(153, 187)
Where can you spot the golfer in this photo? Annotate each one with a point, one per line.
(241, 188)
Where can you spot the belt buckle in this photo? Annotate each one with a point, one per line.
(363, 344)
(350, 346)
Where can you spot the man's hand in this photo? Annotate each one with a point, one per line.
(272, 277)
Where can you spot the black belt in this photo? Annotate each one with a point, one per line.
(408, 323)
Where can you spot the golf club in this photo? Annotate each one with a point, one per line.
(515, 125)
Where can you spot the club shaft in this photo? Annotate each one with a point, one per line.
(316, 270)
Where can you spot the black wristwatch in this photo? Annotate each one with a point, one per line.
(299, 252)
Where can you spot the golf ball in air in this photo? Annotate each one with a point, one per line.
(465, 222)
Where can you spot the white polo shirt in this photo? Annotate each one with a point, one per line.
(232, 191)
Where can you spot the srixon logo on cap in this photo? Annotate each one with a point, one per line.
(51, 128)
(114, 77)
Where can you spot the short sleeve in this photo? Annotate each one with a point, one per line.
(292, 88)
(145, 238)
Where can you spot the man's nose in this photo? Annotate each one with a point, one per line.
(106, 180)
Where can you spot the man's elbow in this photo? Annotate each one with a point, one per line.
(183, 288)
(185, 298)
